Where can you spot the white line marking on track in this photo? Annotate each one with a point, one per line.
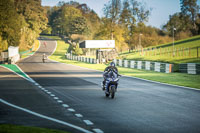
(48, 92)
(59, 101)
(65, 105)
(88, 122)
(98, 130)
(16, 73)
(78, 115)
(71, 110)
(52, 95)
(56, 98)
(46, 117)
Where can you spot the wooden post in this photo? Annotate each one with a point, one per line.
(189, 52)
(160, 51)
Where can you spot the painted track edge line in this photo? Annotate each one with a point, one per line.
(162, 83)
(15, 73)
(45, 117)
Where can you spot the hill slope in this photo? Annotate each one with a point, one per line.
(183, 51)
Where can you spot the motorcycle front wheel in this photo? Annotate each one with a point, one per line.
(112, 92)
(107, 94)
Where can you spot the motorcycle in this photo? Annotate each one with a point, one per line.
(111, 85)
(44, 58)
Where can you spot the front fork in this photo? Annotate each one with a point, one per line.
(107, 86)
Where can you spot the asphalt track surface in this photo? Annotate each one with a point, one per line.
(139, 106)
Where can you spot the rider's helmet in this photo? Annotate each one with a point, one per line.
(112, 64)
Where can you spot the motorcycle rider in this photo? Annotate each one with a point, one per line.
(44, 57)
(107, 73)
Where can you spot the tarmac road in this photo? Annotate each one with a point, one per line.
(139, 106)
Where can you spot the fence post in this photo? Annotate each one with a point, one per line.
(189, 52)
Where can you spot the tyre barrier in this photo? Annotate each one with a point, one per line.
(190, 68)
(81, 59)
(145, 65)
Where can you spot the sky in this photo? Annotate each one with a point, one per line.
(161, 9)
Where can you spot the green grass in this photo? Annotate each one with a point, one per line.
(188, 42)
(14, 68)
(27, 54)
(172, 78)
(7, 128)
(165, 54)
(51, 37)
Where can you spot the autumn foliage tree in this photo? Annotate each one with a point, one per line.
(21, 22)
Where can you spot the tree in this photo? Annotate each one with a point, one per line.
(103, 30)
(190, 9)
(126, 17)
(11, 24)
(78, 25)
(33, 13)
(112, 12)
(186, 22)
(139, 11)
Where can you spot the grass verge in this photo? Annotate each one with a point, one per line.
(36, 46)
(171, 78)
(7, 128)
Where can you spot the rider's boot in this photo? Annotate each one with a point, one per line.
(103, 86)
